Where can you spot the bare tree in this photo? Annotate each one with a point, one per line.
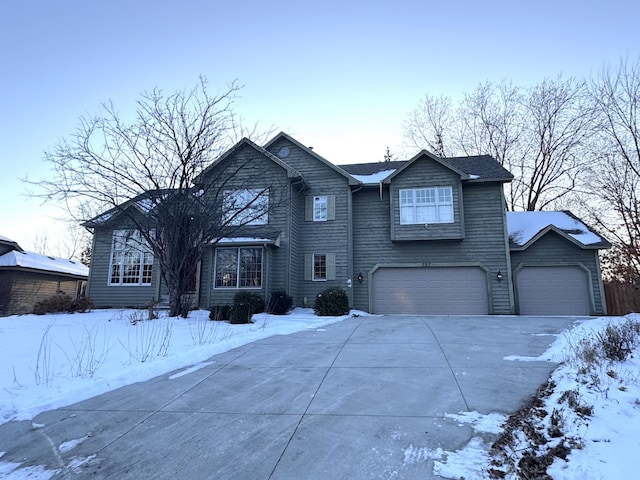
(152, 172)
(560, 124)
(493, 122)
(615, 180)
(430, 125)
(537, 134)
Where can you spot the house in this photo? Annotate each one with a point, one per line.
(424, 236)
(27, 278)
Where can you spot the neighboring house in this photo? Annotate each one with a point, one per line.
(27, 277)
(423, 236)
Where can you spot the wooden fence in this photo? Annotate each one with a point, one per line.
(622, 298)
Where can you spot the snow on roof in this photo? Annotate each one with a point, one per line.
(523, 226)
(245, 240)
(5, 239)
(37, 261)
(374, 177)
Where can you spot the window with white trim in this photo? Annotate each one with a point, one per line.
(426, 205)
(245, 207)
(131, 259)
(320, 208)
(238, 267)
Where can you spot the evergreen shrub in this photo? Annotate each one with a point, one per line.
(280, 303)
(246, 304)
(331, 302)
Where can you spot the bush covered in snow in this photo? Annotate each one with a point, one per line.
(331, 302)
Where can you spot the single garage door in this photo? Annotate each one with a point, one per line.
(430, 291)
(553, 291)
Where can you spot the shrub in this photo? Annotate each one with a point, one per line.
(280, 303)
(58, 303)
(331, 302)
(613, 344)
(82, 305)
(220, 312)
(246, 304)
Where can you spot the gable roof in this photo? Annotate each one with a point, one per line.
(291, 172)
(525, 228)
(310, 151)
(480, 168)
(43, 263)
(143, 203)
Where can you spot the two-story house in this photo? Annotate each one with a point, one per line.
(423, 236)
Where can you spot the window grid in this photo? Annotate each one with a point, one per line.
(131, 259)
(238, 268)
(320, 209)
(319, 267)
(245, 207)
(426, 205)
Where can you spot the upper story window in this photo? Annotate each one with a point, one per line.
(426, 205)
(238, 267)
(131, 259)
(320, 208)
(246, 207)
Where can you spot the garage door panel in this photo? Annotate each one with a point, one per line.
(562, 290)
(433, 290)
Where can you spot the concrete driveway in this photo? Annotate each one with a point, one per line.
(360, 399)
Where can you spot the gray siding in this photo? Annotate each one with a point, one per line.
(421, 174)
(331, 236)
(483, 245)
(554, 250)
(294, 261)
(258, 172)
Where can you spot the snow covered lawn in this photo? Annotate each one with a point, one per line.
(51, 361)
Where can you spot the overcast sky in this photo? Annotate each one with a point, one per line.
(340, 76)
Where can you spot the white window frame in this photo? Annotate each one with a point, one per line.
(422, 206)
(130, 252)
(238, 273)
(320, 208)
(246, 206)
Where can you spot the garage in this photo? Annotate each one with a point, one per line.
(561, 290)
(430, 291)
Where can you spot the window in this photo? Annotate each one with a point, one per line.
(320, 208)
(239, 267)
(131, 259)
(320, 205)
(246, 207)
(426, 205)
(320, 267)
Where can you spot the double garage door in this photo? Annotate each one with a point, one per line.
(430, 291)
(562, 290)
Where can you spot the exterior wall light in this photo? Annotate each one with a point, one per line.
(360, 277)
(499, 275)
